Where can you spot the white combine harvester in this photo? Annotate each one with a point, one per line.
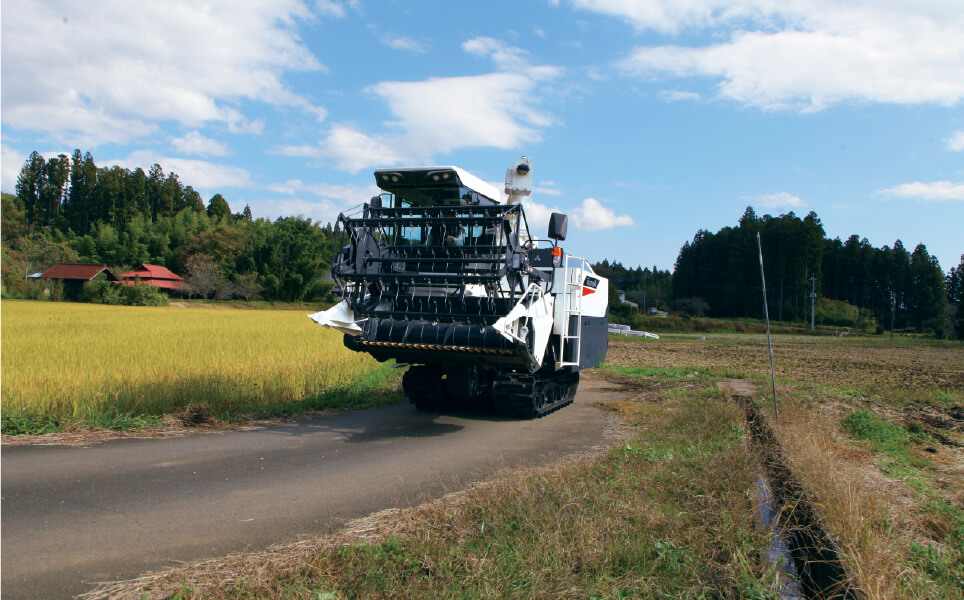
(439, 273)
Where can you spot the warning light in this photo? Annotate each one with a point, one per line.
(556, 256)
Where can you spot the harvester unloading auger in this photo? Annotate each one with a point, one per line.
(437, 272)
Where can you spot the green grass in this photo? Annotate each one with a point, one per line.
(666, 513)
(943, 563)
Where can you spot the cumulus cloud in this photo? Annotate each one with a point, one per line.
(202, 175)
(326, 201)
(194, 143)
(779, 200)
(804, 56)
(678, 95)
(940, 191)
(11, 161)
(345, 195)
(110, 71)
(404, 43)
(350, 149)
(956, 141)
(592, 216)
(443, 114)
(537, 216)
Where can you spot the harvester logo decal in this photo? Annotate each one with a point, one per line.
(589, 285)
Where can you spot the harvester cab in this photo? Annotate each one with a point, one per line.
(440, 273)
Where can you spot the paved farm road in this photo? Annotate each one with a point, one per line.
(72, 515)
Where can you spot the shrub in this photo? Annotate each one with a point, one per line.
(143, 295)
(865, 425)
(101, 291)
(843, 314)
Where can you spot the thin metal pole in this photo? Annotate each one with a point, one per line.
(766, 313)
(813, 300)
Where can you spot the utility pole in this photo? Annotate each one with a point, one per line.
(893, 309)
(813, 302)
(780, 312)
(645, 308)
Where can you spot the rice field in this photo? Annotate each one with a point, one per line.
(78, 362)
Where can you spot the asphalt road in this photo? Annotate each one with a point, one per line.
(112, 510)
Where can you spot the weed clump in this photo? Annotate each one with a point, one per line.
(865, 425)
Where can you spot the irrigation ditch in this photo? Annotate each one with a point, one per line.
(814, 568)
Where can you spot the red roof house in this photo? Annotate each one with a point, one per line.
(73, 276)
(155, 275)
(77, 272)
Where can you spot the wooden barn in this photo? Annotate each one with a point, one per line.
(155, 275)
(74, 276)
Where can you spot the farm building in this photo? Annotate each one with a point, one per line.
(155, 275)
(74, 276)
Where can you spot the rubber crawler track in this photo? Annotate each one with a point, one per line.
(519, 395)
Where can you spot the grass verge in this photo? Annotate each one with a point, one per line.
(668, 511)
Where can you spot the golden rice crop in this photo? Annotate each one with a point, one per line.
(75, 360)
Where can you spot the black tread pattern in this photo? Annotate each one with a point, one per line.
(533, 395)
(423, 388)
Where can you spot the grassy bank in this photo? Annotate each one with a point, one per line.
(67, 364)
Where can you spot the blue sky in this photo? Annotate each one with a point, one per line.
(645, 120)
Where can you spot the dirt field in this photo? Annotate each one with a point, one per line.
(900, 372)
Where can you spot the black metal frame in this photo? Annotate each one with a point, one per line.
(378, 274)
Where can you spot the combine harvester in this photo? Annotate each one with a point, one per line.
(439, 273)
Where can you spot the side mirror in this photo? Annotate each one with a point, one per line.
(375, 202)
(558, 224)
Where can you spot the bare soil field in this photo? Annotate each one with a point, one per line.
(902, 371)
(872, 428)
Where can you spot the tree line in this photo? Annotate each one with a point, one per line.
(69, 210)
(894, 287)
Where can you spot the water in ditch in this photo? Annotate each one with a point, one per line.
(779, 551)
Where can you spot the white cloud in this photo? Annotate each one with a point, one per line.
(777, 200)
(330, 200)
(937, 190)
(443, 114)
(195, 143)
(678, 95)
(805, 55)
(329, 8)
(956, 141)
(324, 211)
(109, 71)
(350, 149)
(404, 43)
(202, 175)
(549, 191)
(346, 195)
(592, 216)
(11, 161)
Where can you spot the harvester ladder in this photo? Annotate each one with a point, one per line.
(575, 269)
